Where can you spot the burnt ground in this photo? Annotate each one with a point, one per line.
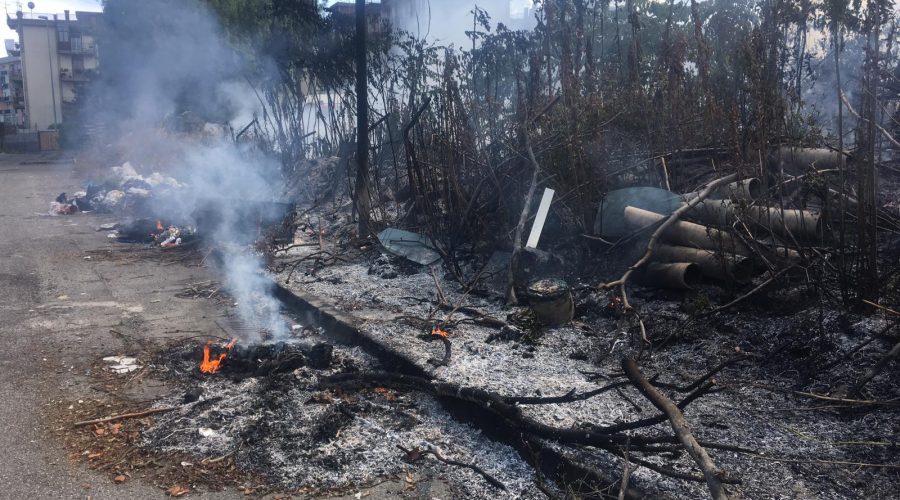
(70, 298)
(800, 350)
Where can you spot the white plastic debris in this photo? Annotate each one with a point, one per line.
(540, 218)
(207, 432)
(113, 198)
(121, 364)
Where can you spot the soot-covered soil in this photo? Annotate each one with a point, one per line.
(797, 350)
(304, 438)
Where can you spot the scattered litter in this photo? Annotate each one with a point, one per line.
(121, 364)
(57, 208)
(208, 433)
(177, 491)
(412, 246)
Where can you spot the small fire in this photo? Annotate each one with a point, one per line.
(440, 333)
(213, 365)
(159, 226)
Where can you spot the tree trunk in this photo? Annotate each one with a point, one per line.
(362, 197)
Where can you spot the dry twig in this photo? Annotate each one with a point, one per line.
(711, 472)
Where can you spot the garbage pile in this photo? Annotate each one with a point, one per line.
(126, 192)
(154, 232)
(123, 191)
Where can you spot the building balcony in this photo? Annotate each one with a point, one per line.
(76, 76)
(76, 51)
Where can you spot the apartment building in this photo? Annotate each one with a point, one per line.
(12, 94)
(58, 57)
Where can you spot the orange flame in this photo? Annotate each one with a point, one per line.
(213, 365)
(440, 333)
(159, 226)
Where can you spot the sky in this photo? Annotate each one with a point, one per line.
(58, 6)
(44, 7)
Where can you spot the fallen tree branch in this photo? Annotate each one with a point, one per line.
(568, 397)
(415, 454)
(712, 473)
(603, 437)
(697, 383)
(626, 474)
(876, 369)
(124, 416)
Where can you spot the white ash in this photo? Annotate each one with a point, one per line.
(781, 425)
(300, 437)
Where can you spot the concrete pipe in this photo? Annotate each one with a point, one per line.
(744, 190)
(712, 264)
(718, 213)
(802, 224)
(799, 160)
(687, 233)
(675, 275)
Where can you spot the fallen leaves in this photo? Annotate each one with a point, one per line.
(121, 478)
(177, 491)
(386, 393)
(410, 480)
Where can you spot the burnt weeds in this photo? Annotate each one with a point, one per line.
(285, 428)
(801, 349)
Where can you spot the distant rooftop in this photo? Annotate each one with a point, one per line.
(78, 18)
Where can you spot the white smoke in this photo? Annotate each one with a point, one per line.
(167, 63)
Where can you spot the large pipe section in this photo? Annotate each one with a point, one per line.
(801, 224)
(675, 275)
(744, 190)
(693, 235)
(801, 159)
(712, 264)
(687, 233)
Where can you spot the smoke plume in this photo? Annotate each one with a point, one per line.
(166, 63)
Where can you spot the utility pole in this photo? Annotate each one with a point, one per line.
(362, 199)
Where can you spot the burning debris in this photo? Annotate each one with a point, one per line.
(702, 336)
(286, 425)
(212, 365)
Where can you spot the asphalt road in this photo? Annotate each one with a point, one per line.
(56, 310)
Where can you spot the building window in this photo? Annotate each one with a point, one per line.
(63, 32)
(76, 43)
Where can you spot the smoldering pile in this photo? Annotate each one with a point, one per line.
(285, 425)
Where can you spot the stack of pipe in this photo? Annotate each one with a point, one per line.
(801, 224)
(691, 250)
(688, 250)
(791, 223)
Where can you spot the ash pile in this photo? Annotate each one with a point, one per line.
(275, 409)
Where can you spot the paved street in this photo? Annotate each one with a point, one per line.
(56, 311)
